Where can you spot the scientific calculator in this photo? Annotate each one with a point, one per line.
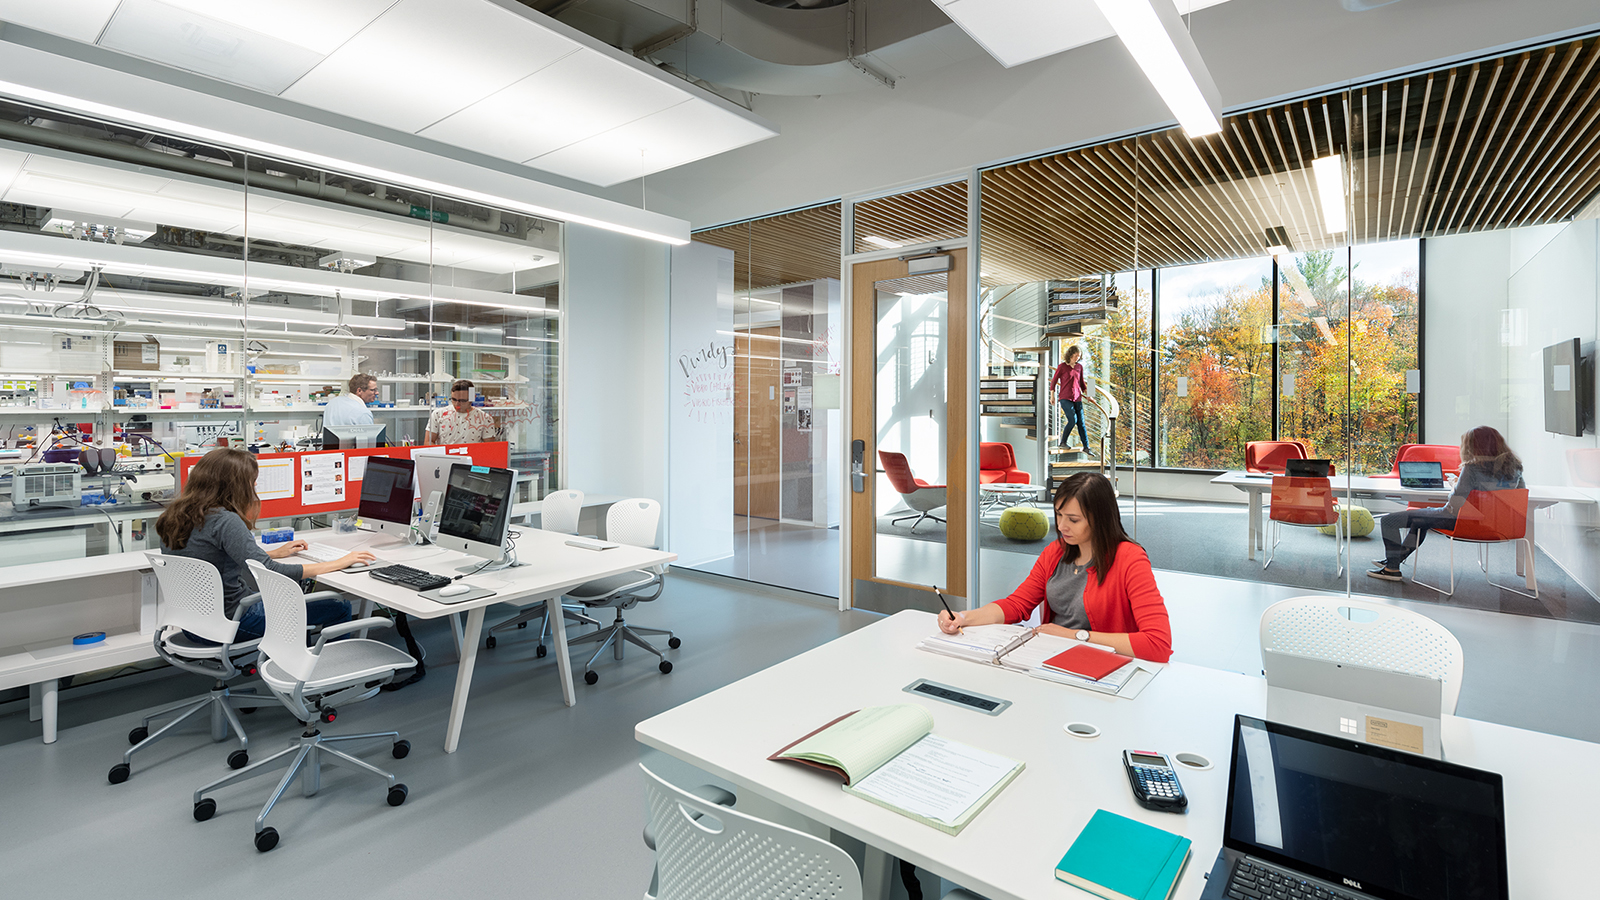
(1154, 781)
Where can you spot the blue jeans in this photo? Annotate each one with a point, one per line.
(1073, 410)
(318, 613)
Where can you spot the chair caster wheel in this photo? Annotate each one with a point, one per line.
(590, 677)
(397, 795)
(329, 714)
(238, 759)
(138, 734)
(489, 644)
(205, 809)
(665, 667)
(119, 773)
(674, 643)
(401, 749)
(247, 710)
(521, 625)
(540, 651)
(266, 839)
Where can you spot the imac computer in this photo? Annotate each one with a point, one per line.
(354, 437)
(386, 495)
(433, 474)
(476, 511)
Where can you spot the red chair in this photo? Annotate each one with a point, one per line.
(1446, 455)
(921, 496)
(997, 463)
(1489, 517)
(1269, 457)
(1308, 502)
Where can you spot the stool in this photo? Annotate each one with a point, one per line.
(1355, 521)
(1024, 523)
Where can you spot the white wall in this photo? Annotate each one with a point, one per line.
(700, 409)
(975, 111)
(615, 403)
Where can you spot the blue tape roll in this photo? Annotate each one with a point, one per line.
(92, 637)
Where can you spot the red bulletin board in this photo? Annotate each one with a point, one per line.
(495, 453)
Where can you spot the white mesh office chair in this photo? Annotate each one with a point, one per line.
(1394, 638)
(310, 682)
(631, 522)
(559, 511)
(191, 600)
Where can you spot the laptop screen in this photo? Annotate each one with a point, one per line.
(1308, 468)
(1421, 471)
(1394, 825)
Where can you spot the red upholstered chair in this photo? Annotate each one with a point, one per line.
(1489, 517)
(997, 463)
(921, 496)
(1446, 455)
(1304, 501)
(1269, 457)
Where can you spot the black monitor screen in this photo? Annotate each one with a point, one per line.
(477, 504)
(1401, 826)
(386, 490)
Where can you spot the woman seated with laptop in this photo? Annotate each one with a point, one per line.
(211, 521)
(1487, 464)
(1097, 582)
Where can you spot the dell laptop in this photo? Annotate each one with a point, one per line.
(1422, 475)
(1308, 468)
(1316, 817)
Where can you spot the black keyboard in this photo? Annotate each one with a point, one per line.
(406, 576)
(1254, 881)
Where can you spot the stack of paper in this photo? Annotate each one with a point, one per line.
(980, 643)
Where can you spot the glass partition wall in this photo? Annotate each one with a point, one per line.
(159, 297)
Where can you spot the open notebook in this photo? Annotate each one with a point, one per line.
(888, 755)
(1022, 649)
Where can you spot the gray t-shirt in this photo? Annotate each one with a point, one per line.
(1064, 593)
(224, 541)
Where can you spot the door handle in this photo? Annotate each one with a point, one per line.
(858, 474)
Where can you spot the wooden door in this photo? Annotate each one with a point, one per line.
(757, 472)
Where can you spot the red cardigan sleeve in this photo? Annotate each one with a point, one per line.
(1030, 593)
(1130, 603)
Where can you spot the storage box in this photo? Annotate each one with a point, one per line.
(137, 355)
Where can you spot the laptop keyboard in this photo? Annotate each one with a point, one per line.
(1255, 881)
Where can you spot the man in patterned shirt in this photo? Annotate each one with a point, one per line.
(460, 422)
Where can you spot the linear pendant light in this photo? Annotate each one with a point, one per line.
(1330, 191)
(1155, 35)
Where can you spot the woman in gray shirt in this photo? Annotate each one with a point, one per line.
(1487, 464)
(211, 521)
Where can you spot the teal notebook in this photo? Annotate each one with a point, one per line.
(1120, 859)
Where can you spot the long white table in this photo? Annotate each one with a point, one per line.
(551, 569)
(1010, 850)
(1368, 487)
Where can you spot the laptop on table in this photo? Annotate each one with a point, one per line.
(1308, 468)
(1422, 475)
(1316, 817)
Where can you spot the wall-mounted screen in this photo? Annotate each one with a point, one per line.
(1565, 389)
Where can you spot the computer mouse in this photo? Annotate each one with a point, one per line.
(454, 590)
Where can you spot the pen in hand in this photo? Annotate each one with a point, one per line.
(946, 606)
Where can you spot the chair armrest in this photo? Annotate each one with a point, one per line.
(344, 628)
(324, 595)
(245, 602)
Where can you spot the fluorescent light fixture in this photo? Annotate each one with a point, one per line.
(881, 242)
(1155, 34)
(1278, 251)
(1330, 191)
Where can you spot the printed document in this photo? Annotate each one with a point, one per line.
(275, 479)
(936, 778)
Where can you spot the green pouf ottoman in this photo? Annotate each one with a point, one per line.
(1356, 520)
(1027, 523)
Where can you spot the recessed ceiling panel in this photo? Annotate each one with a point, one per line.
(314, 24)
(576, 98)
(668, 138)
(80, 20)
(425, 59)
(1019, 31)
(193, 42)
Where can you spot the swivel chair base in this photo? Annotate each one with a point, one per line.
(304, 757)
(629, 634)
(220, 703)
(919, 518)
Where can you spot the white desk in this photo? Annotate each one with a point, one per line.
(1368, 487)
(553, 568)
(1010, 850)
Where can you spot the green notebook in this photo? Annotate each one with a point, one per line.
(1120, 859)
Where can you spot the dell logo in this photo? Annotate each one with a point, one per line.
(1352, 883)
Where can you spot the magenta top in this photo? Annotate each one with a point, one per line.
(1071, 380)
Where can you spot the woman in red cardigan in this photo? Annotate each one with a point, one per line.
(1097, 582)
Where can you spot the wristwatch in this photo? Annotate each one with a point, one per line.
(1082, 635)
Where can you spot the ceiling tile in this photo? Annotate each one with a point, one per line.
(578, 97)
(691, 130)
(80, 20)
(1019, 31)
(197, 43)
(425, 59)
(313, 24)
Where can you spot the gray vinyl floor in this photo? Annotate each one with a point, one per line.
(544, 800)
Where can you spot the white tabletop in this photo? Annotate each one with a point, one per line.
(1380, 486)
(1010, 850)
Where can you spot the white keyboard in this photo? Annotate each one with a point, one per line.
(322, 553)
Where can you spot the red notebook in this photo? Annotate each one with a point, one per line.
(1087, 662)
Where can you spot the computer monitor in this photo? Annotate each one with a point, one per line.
(354, 437)
(476, 511)
(386, 497)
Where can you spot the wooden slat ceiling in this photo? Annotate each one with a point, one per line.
(782, 249)
(931, 214)
(1500, 143)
